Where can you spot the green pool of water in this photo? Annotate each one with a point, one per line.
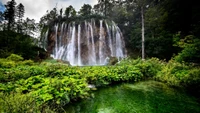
(142, 97)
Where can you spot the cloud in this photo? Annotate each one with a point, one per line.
(35, 9)
(77, 4)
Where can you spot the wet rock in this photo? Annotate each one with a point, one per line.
(113, 60)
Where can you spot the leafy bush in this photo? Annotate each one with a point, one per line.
(173, 73)
(189, 54)
(17, 103)
(190, 49)
(54, 85)
(150, 67)
(20, 72)
(27, 62)
(192, 81)
(4, 63)
(14, 57)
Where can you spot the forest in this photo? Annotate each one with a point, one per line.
(162, 40)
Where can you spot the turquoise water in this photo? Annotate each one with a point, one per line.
(142, 97)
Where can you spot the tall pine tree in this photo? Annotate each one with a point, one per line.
(10, 14)
(20, 14)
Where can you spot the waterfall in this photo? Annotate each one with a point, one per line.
(110, 40)
(56, 41)
(119, 51)
(114, 38)
(79, 45)
(45, 40)
(93, 58)
(86, 43)
(71, 46)
(101, 43)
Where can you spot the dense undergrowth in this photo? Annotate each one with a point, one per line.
(26, 86)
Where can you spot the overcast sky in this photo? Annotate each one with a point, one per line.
(35, 9)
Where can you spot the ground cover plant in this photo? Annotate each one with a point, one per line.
(26, 86)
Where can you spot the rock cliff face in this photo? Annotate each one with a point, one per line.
(86, 43)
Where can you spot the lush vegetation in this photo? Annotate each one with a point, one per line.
(171, 33)
(175, 22)
(12, 42)
(163, 21)
(50, 86)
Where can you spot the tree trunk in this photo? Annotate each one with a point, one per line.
(143, 47)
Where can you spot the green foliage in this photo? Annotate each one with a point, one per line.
(15, 58)
(18, 103)
(70, 12)
(178, 74)
(85, 10)
(27, 62)
(149, 67)
(172, 73)
(6, 63)
(53, 85)
(9, 14)
(190, 49)
(192, 81)
(15, 43)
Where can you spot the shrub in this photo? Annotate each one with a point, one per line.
(17, 103)
(14, 57)
(190, 49)
(173, 73)
(128, 61)
(27, 62)
(192, 81)
(55, 85)
(7, 63)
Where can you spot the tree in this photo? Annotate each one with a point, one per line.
(30, 26)
(141, 4)
(104, 7)
(61, 12)
(70, 12)
(1, 21)
(143, 39)
(20, 15)
(1, 17)
(49, 17)
(10, 13)
(190, 48)
(53, 14)
(85, 10)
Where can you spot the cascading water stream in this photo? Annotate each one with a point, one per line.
(56, 40)
(114, 38)
(101, 44)
(45, 41)
(109, 39)
(79, 45)
(87, 43)
(71, 47)
(93, 46)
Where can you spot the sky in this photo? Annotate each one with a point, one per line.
(35, 9)
(1, 7)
